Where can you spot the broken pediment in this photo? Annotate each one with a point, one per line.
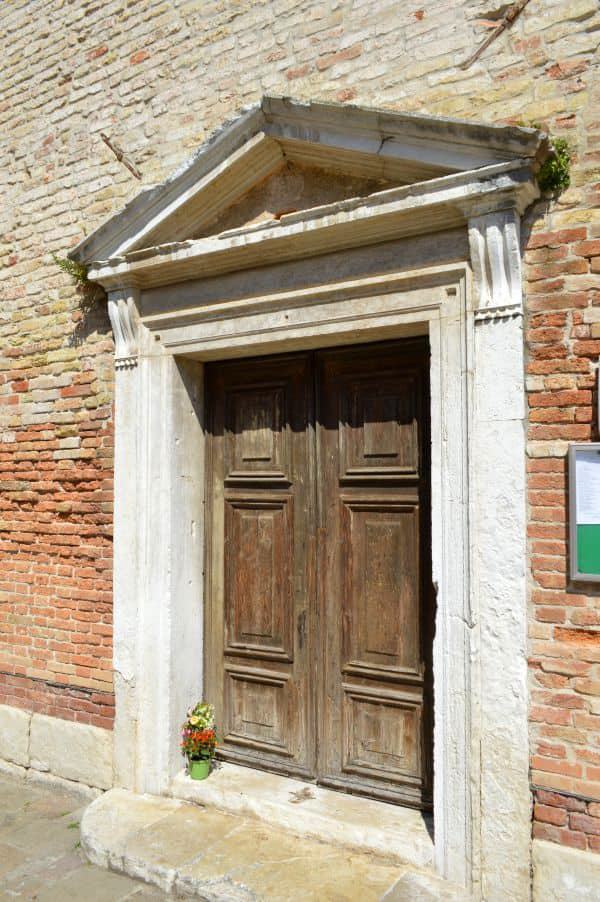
(283, 157)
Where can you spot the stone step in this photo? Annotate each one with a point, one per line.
(196, 851)
(399, 833)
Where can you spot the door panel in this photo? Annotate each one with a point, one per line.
(372, 407)
(256, 440)
(319, 620)
(379, 434)
(261, 513)
(379, 561)
(382, 732)
(258, 578)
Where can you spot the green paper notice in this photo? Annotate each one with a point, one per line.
(588, 487)
(588, 548)
(587, 511)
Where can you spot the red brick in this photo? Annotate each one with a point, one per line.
(550, 615)
(550, 270)
(297, 72)
(589, 248)
(584, 823)
(138, 57)
(330, 59)
(561, 801)
(556, 239)
(578, 636)
(549, 815)
(559, 835)
(559, 398)
(567, 68)
(541, 714)
(587, 348)
(96, 52)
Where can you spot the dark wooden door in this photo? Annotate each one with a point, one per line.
(375, 573)
(260, 560)
(319, 621)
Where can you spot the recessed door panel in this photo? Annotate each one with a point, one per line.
(380, 562)
(382, 736)
(257, 711)
(258, 576)
(379, 426)
(256, 435)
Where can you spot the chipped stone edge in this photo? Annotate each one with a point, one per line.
(99, 852)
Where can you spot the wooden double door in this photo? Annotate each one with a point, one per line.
(319, 604)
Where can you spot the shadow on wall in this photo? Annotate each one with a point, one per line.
(537, 213)
(93, 314)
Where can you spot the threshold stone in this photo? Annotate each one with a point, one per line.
(362, 824)
(203, 852)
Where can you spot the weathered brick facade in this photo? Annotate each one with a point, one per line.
(158, 78)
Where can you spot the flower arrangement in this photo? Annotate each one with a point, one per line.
(198, 738)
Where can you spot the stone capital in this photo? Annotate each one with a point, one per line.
(494, 240)
(123, 313)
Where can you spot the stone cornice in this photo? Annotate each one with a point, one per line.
(426, 207)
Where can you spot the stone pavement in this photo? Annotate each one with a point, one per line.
(40, 854)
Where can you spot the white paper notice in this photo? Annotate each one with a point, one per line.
(588, 487)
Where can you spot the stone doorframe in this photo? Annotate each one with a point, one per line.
(173, 308)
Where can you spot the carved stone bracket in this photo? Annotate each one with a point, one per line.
(123, 318)
(496, 261)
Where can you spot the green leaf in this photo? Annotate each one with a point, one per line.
(554, 175)
(77, 271)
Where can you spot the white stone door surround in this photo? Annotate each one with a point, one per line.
(173, 308)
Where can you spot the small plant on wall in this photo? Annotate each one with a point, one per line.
(554, 175)
(89, 292)
(198, 739)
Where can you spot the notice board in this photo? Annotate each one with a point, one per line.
(584, 511)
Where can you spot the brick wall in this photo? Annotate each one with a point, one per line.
(563, 303)
(55, 507)
(158, 77)
(566, 819)
(56, 699)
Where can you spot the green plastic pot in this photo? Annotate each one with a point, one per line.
(199, 769)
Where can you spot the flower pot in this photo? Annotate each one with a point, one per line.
(199, 769)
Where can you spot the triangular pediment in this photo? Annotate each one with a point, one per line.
(282, 157)
(292, 188)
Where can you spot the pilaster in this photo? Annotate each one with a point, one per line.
(123, 313)
(157, 587)
(497, 452)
